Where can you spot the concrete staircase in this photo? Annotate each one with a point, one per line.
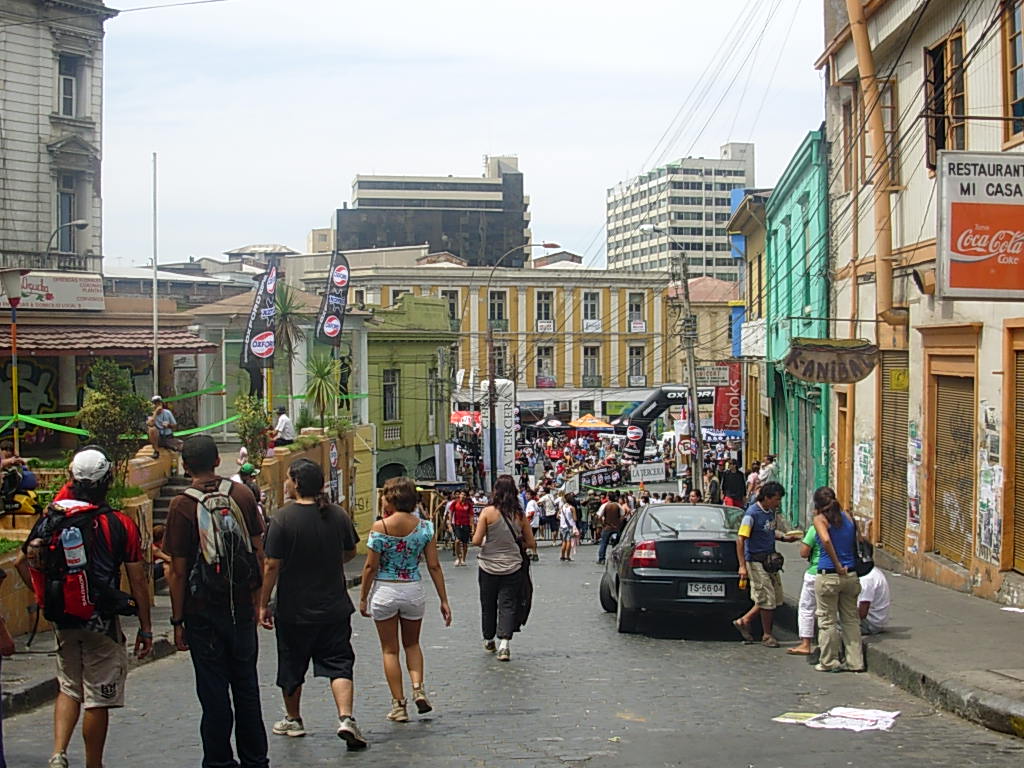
(175, 485)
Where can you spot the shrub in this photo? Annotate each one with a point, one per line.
(113, 414)
(253, 426)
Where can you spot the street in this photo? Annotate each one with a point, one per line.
(575, 693)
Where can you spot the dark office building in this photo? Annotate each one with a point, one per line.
(478, 219)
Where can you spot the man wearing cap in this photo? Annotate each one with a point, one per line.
(92, 663)
(246, 475)
(160, 428)
(284, 431)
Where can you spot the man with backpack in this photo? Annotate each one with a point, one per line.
(72, 561)
(214, 537)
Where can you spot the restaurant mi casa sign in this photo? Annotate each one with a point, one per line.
(980, 245)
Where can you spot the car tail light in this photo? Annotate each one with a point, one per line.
(706, 544)
(644, 556)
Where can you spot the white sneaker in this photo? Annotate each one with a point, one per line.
(59, 760)
(289, 727)
(349, 732)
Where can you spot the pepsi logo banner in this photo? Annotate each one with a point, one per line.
(331, 318)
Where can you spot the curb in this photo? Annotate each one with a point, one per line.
(970, 702)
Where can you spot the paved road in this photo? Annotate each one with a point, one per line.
(576, 693)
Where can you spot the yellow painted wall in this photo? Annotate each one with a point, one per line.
(365, 492)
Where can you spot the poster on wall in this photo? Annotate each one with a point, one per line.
(980, 244)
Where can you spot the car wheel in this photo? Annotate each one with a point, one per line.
(625, 618)
(606, 596)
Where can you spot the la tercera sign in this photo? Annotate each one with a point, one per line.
(831, 361)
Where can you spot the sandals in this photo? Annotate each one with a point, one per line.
(742, 629)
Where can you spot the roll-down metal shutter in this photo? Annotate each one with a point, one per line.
(892, 481)
(953, 468)
(1018, 464)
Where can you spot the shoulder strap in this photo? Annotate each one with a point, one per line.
(194, 493)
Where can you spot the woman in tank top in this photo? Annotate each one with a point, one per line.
(836, 587)
(498, 531)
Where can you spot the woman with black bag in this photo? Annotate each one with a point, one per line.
(504, 537)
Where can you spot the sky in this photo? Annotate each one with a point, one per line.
(262, 112)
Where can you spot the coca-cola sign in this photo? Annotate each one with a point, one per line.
(980, 245)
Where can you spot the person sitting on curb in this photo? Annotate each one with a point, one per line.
(873, 602)
(160, 428)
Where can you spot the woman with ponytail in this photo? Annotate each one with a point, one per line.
(836, 587)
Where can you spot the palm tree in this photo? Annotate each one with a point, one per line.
(321, 383)
(289, 319)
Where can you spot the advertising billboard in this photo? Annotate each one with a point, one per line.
(980, 243)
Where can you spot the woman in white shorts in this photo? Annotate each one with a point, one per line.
(392, 590)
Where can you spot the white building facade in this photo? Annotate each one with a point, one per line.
(51, 108)
(690, 198)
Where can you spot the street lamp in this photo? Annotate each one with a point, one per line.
(78, 224)
(11, 279)
(689, 339)
(492, 439)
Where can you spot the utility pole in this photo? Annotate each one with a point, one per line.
(688, 329)
(492, 395)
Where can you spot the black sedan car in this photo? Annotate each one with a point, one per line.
(674, 558)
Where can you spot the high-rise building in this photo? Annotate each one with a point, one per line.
(476, 218)
(690, 200)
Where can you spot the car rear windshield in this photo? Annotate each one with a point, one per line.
(678, 518)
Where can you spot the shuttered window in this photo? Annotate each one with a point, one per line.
(1018, 465)
(954, 471)
(892, 483)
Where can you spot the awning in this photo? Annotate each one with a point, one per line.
(589, 421)
(89, 340)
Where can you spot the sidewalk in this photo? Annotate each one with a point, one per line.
(961, 653)
(28, 678)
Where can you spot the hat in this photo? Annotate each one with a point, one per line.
(281, 409)
(90, 464)
(156, 399)
(248, 469)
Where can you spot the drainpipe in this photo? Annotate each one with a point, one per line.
(876, 132)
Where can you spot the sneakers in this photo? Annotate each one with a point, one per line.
(504, 654)
(398, 713)
(419, 698)
(489, 646)
(289, 727)
(59, 760)
(349, 732)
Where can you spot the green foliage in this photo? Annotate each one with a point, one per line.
(304, 419)
(119, 492)
(111, 410)
(322, 389)
(302, 442)
(339, 425)
(253, 426)
(8, 545)
(59, 463)
(289, 317)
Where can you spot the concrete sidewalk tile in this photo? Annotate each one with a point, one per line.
(937, 650)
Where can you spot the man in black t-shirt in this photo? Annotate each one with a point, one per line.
(308, 542)
(223, 646)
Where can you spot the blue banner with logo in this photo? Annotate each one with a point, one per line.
(258, 342)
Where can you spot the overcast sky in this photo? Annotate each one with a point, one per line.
(263, 111)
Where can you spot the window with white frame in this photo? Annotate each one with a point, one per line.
(496, 305)
(67, 210)
(591, 361)
(432, 382)
(69, 72)
(397, 293)
(545, 361)
(636, 361)
(500, 361)
(545, 304)
(391, 394)
(1013, 68)
(591, 305)
(635, 306)
(452, 297)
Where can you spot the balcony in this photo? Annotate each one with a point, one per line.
(498, 324)
(591, 326)
(455, 323)
(637, 381)
(392, 433)
(591, 381)
(545, 326)
(52, 262)
(637, 326)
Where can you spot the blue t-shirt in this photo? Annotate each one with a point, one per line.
(758, 526)
(400, 555)
(844, 541)
(164, 422)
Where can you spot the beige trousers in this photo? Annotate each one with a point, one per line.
(838, 620)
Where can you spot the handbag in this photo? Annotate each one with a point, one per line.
(524, 600)
(865, 558)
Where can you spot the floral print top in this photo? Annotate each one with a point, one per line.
(400, 555)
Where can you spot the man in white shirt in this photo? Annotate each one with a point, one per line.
(284, 431)
(873, 603)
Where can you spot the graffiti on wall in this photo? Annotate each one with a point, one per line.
(990, 487)
(37, 393)
(915, 455)
(863, 474)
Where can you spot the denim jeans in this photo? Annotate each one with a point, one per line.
(224, 658)
(606, 534)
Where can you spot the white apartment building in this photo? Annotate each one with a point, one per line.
(51, 111)
(691, 199)
(930, 446)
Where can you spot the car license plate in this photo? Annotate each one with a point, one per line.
(705, 589)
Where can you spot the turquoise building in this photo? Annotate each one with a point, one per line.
(797, 307)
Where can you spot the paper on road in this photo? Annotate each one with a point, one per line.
(853, 719)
